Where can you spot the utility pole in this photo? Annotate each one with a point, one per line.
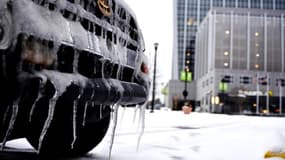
(153, 80)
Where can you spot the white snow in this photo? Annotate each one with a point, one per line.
(170, 135)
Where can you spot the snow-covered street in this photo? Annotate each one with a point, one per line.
(172, 135)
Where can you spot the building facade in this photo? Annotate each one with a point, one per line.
(241, 60)
(188, 14)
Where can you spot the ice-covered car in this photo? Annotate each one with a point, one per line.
(63, 65)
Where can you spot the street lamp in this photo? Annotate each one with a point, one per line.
(153, 82)
(187, 62)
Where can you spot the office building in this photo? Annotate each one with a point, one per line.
(240, 60)
(188, 15)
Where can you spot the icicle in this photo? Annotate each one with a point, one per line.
(15, 110)
(92, 96)
(142, 123)
(39, 96)
(123, 112)
(140, 120)
(5, 115)
(74, 123)
(101, 106)
(34, 106)
(119, 70)
(89, 38)
(112, 112)
(90, 102)
(135, 115)
(115, 116)
(52, 104)
(75, 104)
(84, 115)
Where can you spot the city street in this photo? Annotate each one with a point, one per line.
(172, 135)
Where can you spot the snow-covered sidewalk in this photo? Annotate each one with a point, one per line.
(172, 135)
(199, 136)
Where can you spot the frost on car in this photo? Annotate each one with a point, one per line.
(63, 65)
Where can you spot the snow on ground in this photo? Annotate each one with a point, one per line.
(172, 135)
(199, 136)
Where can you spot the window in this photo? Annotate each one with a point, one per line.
(217, 3)
(231, 3)
(268, 4)
(243, 4)
(255, 3)
(279, 4)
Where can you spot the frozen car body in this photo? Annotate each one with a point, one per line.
(63, 64)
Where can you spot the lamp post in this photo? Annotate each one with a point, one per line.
(187, 61)
(153, 80)
(185, 92)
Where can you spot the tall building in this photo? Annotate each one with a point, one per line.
(187, 16)
(241, 60)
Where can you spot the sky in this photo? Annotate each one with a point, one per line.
(155, 19)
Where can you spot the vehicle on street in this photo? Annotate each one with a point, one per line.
(64, 67)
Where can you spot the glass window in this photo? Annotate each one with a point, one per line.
(192, 8)
(230, 3)
(256, 43)
(243, 3)
(255, 3)
(217, 3)
(223, 33)
(204, 8)
(268, 4)
(280, 4)
(239, 42)
(273, 44)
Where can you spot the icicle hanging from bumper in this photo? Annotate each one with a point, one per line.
(15, 109)
(115, 120)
